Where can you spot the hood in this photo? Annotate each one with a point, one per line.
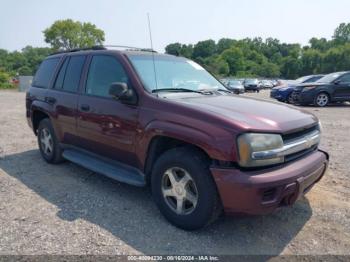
(236, 86)
(301, 86)
(312, 84)
(252, 114)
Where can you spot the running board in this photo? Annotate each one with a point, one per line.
(111, 169)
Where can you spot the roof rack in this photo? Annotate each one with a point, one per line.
(105, 47)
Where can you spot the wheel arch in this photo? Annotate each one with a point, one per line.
(37, 116)
(160, 144)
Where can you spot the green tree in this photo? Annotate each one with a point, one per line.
(69, 34)
(234, 58)
(4, 79)
(321, 44)
(204, 49)
(224, 44)
(173, 49)
(186, 51)
(179, 50)
(342, 34)
(34, 56)
(291, 67)
(311, 61)
(268, 70)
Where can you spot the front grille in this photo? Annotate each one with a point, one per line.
(297, 155)
(299, 134)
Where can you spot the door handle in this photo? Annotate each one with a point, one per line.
(50, 100)
(85, 108)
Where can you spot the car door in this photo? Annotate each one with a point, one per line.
(342, 88)
(106, 126)
(64, 98)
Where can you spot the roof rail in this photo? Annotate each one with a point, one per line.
(129, 48)
(79, 49)
(105, 47)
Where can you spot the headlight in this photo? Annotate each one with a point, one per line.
(254, 142)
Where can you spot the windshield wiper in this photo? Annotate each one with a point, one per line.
(224, 90)
(180, 90)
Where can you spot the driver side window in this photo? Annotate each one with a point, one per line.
(345, 79)
(104, 70)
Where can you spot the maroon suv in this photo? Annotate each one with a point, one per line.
(152, 119)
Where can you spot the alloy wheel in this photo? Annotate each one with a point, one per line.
(322, 100)
(46, 141)
(179, 191)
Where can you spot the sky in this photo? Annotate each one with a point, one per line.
(125, 22)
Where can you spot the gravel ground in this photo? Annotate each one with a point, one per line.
(66, 209)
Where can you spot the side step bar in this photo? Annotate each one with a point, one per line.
(111, 169)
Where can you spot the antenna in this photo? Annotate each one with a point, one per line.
(154, 63)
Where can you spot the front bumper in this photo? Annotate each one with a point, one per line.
(279, 95)
(261, 192)
(237, 91)
(251, 87)
(304, 97)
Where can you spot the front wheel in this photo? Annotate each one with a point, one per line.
(321, 100)
(183, 189)
(290, 99)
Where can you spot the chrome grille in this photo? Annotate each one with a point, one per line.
(294, 145)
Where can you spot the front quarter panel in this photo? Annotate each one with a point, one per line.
(216, 141)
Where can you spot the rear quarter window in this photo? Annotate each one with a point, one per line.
(45, 72)
(69, 75)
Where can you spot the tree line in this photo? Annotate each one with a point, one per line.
(61, 35)
(270, 58)
(247, 57)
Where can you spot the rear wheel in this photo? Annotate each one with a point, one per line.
(47, 141)
(183, 189)
(321, 100)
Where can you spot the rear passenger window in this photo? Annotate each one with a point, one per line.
(69, 76)
(45, 72)
(104, 70)
(61, 74)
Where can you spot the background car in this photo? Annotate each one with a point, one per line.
(334, 87)
(266, 84)
(251, 85)
(284, 92)
(235, 86)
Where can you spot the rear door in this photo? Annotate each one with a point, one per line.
(107, 126)
(342, 88)
(64, 98)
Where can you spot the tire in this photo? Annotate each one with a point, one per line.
(48, 144)
(188, 164)
(289, 99)
(321, 100)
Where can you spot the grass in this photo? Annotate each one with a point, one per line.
(4, 86)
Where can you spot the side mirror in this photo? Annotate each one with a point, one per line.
(337, 82)
(120, 91)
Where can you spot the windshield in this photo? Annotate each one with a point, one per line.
(251, 81)
(173, 72)
(329, 78)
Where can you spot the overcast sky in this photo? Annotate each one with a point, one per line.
(185, 21)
